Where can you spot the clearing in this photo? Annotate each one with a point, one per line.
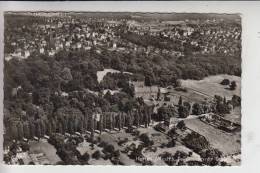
(102, 74)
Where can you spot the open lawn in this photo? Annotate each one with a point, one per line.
(201, 90)
(211, 86)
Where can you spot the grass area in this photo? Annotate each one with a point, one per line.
(85, 147)
(235, 115)
(113, 139)
(189, 96)
(201, 90)
(160, 138)
(157, 137)
(102, 74)
(154, 156)
(211, 85)
(225, 142)
(46, 148)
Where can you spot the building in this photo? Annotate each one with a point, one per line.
(146, 92)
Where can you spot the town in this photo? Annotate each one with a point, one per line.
(89, 88)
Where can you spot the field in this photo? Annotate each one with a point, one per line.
(201, 90)
(211, 86)
(226, 142)
(85, 147)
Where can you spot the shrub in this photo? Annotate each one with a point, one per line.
(225, 82)
(109, 148)
(196, 142)
(96, 155)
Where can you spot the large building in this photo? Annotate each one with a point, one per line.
(146, 92)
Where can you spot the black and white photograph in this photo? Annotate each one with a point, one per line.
(122, 88)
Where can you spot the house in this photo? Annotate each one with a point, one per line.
(8, 57)
(36, 138)
(64, 94)
(78, 45)
(46, 137)
(114, 45)
(41, 50)
(26, 54)
(51, 52)
(77, 133)
(67, 134)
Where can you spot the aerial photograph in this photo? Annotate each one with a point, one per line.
(122, 88)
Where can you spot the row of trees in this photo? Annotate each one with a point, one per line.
(71, 120)
(218, 105)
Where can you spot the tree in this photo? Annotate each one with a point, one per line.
(146, 116)
(225, 82)
(222, 108)
(236, 101)
(196, 109)
(119, 120)
(66, 74)
(171, 143)
(25, 146)
(26, 129)
(181, 125)
(180, 101)
(187, 106)
(101, 123)
(92, 128)
(233, 85)
(96, 155)
(109, 148)
(211, 156)
(196, 142)
(85, 157)
(145, 139)
(110, 121)
(137, 118)
(147, 81)
(20, 130)
(178, 83)
(183, 112)
(168, 158)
